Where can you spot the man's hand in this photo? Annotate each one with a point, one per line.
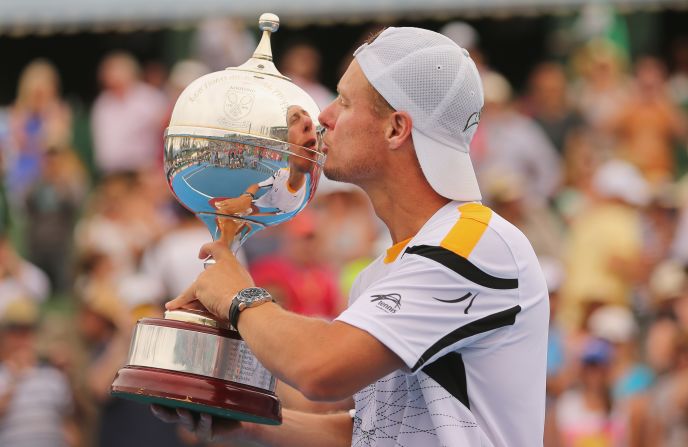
(298, 429)
(236, 205)
(203, 425)
(218, 284)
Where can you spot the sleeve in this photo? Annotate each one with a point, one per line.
(423, 309)
(268, 182)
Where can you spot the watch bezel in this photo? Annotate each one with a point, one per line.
(245, 298)
(252, 295)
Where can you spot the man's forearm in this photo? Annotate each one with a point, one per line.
(283, 341)
(324, 361)
(306, 430)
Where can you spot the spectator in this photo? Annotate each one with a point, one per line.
(668, 287)
(603, 86)
(300, 280)
(173, 260)
(222, 42)
(548, 103)
(630, 379)
(669, 400)
(52, 208)
(126, 118)
(35, 399)
(582, 156)
(604, 248)
(106, 321)
(19, 278)
(37, 121)
(119, 222)
(506, 193)
(301, 62)
(585, 414)
(514, 142)
(678, 81)
(647, 123)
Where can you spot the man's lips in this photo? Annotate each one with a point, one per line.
(310, 144)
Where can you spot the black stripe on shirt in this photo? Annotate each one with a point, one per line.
(449, 372)
(462, 266)
(500, 319)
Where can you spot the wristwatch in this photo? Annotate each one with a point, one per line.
(248, 297)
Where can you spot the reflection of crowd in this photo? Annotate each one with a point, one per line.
(589, 161)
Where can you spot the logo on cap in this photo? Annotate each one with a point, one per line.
(473, 120)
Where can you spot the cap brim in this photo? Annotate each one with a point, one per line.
(449, 171)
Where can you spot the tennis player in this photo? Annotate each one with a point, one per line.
(444, 339)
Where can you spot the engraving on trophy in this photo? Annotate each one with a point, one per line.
(238, 103)
(208, 83)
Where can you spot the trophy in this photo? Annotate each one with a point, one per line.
(242, 152)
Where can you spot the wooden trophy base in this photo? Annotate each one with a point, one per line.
(201, 394)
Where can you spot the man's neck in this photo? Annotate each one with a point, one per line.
(296, 179)
(406, 208)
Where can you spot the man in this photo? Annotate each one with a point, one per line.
(36, 405)
(444, 341)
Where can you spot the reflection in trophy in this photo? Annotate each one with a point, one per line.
(286, 191)
(242, 153)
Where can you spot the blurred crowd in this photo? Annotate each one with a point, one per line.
(589, 160)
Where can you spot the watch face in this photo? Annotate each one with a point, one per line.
(252, 294)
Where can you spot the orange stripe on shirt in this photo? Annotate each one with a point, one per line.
(394, 250)
(467, 231)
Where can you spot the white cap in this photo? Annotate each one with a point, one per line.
(613, 323)
(433, 79)
(462, 33)
(621, 180)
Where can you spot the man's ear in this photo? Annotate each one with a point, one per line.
(398, 129)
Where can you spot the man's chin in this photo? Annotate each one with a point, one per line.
(333, 174)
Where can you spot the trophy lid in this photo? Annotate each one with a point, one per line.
(252, 99)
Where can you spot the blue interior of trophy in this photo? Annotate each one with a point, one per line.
(238, 185)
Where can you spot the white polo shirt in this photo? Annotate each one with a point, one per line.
(280, 195)
(464, 304)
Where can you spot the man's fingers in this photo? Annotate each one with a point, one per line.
(217, 250)
(186, 297)
(186, 419)
(205, 427)
(164, 414)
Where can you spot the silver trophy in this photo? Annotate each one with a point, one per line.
(242, 152)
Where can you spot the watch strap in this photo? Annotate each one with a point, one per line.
(234, 314)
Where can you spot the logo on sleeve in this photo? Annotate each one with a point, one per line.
(460, 300)
(390, 302)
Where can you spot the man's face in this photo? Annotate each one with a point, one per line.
(354, 139)
(301, 134)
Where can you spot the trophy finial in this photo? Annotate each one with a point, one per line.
(268, 23)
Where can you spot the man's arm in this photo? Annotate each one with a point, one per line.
(324, 360)
(297, 430)
(293, 399)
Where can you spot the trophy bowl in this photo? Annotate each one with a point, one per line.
(242, 152)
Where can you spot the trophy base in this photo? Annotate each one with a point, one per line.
(201, 394)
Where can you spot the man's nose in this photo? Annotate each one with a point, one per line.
(307, 124)
(325, 117)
